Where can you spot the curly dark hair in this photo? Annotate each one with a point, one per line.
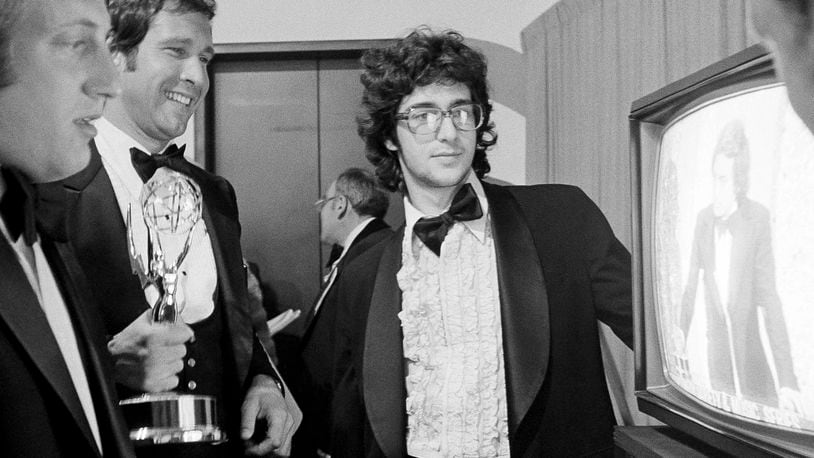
(391, 73)
(131, 19)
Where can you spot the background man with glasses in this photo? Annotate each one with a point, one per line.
(472, 331)
(351, 218)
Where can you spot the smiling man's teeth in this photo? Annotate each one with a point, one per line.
(178, 98)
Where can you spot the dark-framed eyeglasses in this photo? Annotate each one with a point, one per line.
(427, 120)
(321, 202)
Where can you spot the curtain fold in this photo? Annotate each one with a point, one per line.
(587, 61)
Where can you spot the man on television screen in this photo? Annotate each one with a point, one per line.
(732, 256)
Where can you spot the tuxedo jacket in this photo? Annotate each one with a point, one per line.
(752, 289)
(40, 411)
(559, 269)
(316, 353)
(99, 236)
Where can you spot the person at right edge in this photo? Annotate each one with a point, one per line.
(473, 330)
(786, 27)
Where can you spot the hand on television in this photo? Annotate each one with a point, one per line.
(791, 400)
(147, 356)
(266, 411)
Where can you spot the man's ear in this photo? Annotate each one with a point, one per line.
(388, 143)
(341, 203)
(119, 60)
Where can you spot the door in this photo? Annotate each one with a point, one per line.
(280, 128)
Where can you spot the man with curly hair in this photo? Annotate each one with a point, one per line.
(472, 331)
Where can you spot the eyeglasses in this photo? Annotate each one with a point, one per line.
(321, 202)
(427, 120)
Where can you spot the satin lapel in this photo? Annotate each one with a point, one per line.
(383, 366)
(224, 234)
(98, 235)
(523, 304)
(89, 331)
(24, 316)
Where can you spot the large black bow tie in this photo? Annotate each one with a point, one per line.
(433, 231)
(18, 206)
(29, 209)
(146, 164)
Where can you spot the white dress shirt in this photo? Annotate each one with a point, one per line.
(197, 274)
(453, 346)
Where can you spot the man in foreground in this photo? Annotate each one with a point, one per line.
(56, 392)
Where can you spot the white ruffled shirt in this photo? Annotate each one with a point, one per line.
(456, 384)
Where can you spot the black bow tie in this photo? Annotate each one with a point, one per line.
(146, 164)
(433, 231)
(722, 226)
(28, 209)
(18, 206)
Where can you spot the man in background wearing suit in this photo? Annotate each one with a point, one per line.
(732, 258)
(162, 49)
(472, 331)
(787, 28)
(351, 218)
(56, 392)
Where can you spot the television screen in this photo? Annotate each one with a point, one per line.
(724, 258)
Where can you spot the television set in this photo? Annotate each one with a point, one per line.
(723, 259)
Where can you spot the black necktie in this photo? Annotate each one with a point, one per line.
(433, 231)
(146, 164)
(336, 252)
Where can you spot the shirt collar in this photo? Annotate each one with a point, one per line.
(114, 146)
(352, 236)
(476, 227)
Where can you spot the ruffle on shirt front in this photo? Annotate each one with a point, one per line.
(453, 346)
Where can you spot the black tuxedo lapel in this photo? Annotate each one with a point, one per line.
(97, 232)
(383, 366)
(22, 313)
(366, 238)
(523, 303)
(89, 332)
(222, 224)
(361, 239)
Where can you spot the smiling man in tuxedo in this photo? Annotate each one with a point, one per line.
(162, 49)
(472, 331)
(56, 390)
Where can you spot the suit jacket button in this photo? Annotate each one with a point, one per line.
(192, 385)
